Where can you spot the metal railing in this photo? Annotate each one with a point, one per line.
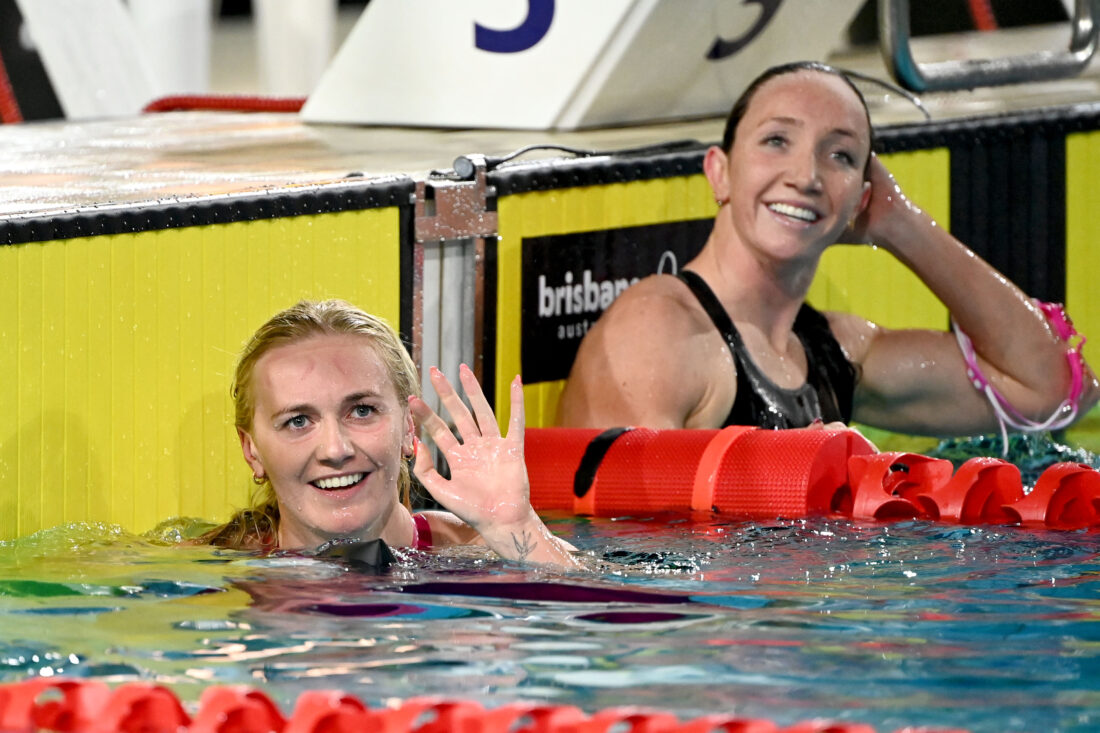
(893, 18)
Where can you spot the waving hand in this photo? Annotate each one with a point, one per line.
(488, 487)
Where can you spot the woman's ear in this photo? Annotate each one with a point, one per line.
(864, 199)
(716, 169)
(251, 455)
(408, 441)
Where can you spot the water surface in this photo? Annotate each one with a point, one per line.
(987, 628)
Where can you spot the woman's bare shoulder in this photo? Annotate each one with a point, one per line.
(640, 363)
(658, 300)
(654, 318)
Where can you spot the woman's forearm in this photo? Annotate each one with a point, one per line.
(1025, 359)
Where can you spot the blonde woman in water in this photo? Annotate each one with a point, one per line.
(327, 407)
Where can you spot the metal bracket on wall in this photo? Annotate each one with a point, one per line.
(894, 37)
(448, 210)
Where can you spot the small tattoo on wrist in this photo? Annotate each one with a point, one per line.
(524, 545)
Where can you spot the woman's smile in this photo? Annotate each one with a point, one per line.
(336, 483)
(800, 214)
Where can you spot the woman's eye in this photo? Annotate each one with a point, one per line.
(362, 411)
(845, 157)
(297, 422)
(775, 140)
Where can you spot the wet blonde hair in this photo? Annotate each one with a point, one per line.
(257, 526)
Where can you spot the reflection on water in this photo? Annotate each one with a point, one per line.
(990, 628)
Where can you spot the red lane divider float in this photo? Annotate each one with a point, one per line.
(227, 102)
(764, 474)
(89, 706)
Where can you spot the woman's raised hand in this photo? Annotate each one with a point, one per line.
(488, 487)
(886, 208)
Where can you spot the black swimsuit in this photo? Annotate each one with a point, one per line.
(830, 377)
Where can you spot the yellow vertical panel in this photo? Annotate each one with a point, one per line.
(99, 399)
(53, 385)
(212, 339)
(146, 453)
(10, 433)
(282, 276)
(238, 295)
(870, 282)
(257, 276)
(299, 257)
(75, 385)
(384, 284)
(545, 397)
(336, 268)
(188, 443)
(359, 261)
(166, 406)
(1083, 235)
(29, 373)
(535, 406)
(252, 276)
(122, 376)
(1083, 260)
(551, 391)
(587, 208)
(238, 292)
(379, 287)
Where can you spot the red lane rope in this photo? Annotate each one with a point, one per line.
(234, 103)
(763, 474)
(981, 11)
(9, 106)
(90, 706)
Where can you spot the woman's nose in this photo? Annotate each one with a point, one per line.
(335, 447)
(804, 172)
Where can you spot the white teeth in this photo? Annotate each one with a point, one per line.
(338, 482)
(796, 212)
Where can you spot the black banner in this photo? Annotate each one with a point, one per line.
(570, 279)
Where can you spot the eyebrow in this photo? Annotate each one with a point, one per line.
(841, 131)
(360, 396)
(785, 121)
(308, 408)
(293, 408)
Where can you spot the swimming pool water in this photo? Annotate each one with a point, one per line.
(987, 628)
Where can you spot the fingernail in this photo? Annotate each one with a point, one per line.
(817, 421)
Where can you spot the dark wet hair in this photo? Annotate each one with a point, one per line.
(737, 112)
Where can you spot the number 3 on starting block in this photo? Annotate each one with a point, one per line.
(563, 64)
